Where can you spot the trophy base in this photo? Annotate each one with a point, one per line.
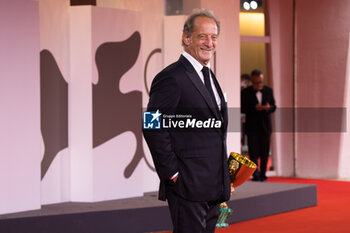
(221, 225)
(224, 214)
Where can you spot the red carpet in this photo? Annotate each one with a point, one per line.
(331, 215)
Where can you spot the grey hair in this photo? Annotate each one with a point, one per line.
(189, 24)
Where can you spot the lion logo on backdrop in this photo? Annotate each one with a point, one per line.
(113, 112)
(54, 109)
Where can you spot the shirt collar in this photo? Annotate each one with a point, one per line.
(196, 65)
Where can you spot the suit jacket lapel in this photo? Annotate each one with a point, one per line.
(192, 74)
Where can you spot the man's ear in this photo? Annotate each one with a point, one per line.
(186, 39)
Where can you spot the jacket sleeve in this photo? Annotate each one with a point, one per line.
(164, 96)
(272, 103)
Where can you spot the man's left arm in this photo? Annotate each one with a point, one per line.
(271, 104)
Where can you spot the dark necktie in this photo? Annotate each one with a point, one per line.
(207, 83)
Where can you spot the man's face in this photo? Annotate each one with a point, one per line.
(257, 82)
(202, 43)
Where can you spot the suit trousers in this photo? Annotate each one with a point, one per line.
(190, 216)
(259, 147)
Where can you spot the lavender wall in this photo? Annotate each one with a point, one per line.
(344, 160)
(281, 69)
(20, 140)
(322, 37)
(310, 74)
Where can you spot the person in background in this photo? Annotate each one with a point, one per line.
(257, 102)
(245, 78)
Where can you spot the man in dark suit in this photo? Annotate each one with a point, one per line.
(191, 161)
(257, 102)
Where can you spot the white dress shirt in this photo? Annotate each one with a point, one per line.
(259, 96)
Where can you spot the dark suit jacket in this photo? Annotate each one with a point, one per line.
(257, 121)
(199, 155)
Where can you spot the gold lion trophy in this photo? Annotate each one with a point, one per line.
(240, 169)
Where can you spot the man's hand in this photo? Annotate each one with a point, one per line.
(265, 107)
(232, 188)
